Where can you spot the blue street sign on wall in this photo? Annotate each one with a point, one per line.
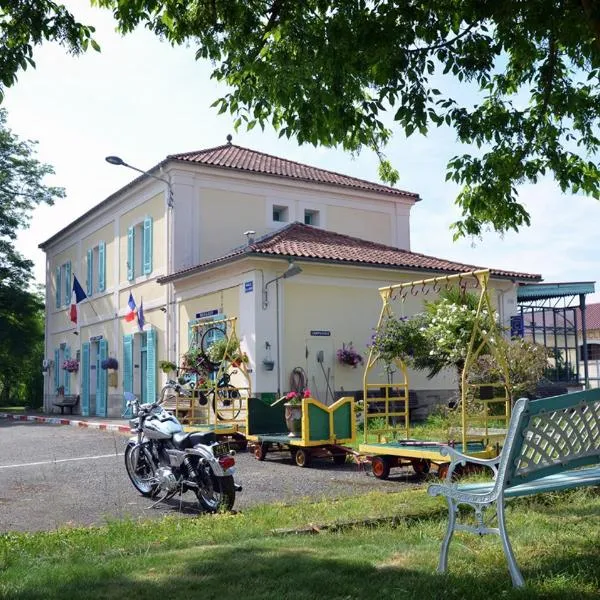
(320, 333)
(248, 286)
(517, 328)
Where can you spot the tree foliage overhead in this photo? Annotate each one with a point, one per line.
(25, 24)
(332, 72)
(326, 71)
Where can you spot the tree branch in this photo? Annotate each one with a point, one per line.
(445, 44)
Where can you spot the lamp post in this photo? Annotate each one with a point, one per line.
(292, 270)
(119, 162)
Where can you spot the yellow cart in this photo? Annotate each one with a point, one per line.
(324, 430)
(387, 443)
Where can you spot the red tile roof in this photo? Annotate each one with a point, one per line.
(301, 241)
(230, 156)
(592, 317)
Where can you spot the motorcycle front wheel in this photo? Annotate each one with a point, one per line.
(215, 493)
(140, 468)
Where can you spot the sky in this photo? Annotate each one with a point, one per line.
(140, 99)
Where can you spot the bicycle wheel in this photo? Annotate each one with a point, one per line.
(226, 402)
(209, 337)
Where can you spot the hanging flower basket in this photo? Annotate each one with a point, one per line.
(347, 355)
(110, 363)
(71, 365)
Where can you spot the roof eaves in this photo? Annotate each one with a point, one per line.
(319, 260)
(101, 205)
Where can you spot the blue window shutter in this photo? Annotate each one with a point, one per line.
(102, 391)
(147, 239)
(85, 379)
(151, 364)
(128, 363)
(127, 370)
(58, 288)
(89, 282)
(56, 369)
(101, 266)
(130, 253)
(67, 380)
(68, 284)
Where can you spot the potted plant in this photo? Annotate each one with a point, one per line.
(293, 411)
(347, 355)
(268, 364)
(226, 349)
(166, 366)
(194, 361)
(71, 365)
(110, 363)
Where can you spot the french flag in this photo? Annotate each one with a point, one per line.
(77, 295)
(130, 316)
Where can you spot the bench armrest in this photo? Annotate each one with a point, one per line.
(458, 458)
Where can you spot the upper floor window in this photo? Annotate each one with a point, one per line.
(63, 285)
(311, 217)
(280, 214)
(139, 249)
(96, 269)
(592, 351)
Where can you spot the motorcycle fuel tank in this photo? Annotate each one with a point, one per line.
(161, 428)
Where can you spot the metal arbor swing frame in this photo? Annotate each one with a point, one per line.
(228, 420)
(390, 405)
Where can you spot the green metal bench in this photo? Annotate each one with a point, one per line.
(552, 444)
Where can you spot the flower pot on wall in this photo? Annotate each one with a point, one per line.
(268, 364)
(293, 419)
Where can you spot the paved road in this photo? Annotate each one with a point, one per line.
(53, 475)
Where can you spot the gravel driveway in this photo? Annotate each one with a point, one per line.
(53, 475)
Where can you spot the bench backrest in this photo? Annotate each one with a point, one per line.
(550, 435)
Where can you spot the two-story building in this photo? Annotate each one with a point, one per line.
(213, 233)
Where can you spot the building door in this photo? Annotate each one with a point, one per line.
(85, 379)
(101, 379)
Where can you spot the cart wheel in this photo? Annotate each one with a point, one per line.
(443, 470)
(381, 467)
(260, 451)
(302, 457)
(339, 459)
(240, 442)
(421, 466)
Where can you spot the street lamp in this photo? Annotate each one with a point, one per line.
(119, 162)
(293, 269)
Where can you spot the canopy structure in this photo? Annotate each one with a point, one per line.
(553, 314)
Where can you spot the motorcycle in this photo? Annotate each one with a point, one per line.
(162, 459)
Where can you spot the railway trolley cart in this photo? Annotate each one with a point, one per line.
(219, 389)
(387, 442)
(324, 430)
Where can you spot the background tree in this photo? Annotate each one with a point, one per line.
(21, 309)
(332, 72)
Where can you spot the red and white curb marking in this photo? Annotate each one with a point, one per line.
(63, 421)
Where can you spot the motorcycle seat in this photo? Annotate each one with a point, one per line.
(187, 440)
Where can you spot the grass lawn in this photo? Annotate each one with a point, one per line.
(556, 539)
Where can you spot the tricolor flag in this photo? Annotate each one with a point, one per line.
(77, 295)
(140, 315)
(130, 316)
